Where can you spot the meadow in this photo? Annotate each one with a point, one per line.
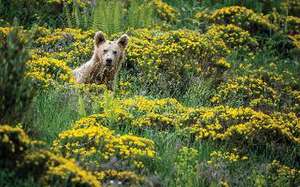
(209, 94)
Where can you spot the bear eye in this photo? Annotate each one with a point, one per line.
(105, 50)
(115, 52)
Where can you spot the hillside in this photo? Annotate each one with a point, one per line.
(208, 95)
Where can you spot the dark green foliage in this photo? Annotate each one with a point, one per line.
(15, 91)
(29, 12)
(260, 5)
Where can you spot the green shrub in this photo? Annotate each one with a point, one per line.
(42, 12)
(233, 36)
(50, 169)
(15, 90)
(264, 91)
(240, 16)
(13, 144)
(168, 60)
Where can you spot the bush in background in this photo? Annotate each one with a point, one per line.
(15, 89)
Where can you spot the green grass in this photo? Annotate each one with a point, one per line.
(116, 16)
(53, 112)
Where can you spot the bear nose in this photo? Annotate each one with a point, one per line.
(109, 61)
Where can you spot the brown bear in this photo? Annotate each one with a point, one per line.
(105, 63)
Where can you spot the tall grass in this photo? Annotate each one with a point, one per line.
(77, 17)
(115, 16)
(54, 110)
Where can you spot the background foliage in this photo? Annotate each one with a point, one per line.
(209, 94)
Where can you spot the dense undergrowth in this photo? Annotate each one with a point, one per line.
(209, 95)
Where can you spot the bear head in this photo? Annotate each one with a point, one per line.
(109, 53)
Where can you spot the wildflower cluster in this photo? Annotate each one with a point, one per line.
(23, 155)
(244, 127)
(13, 143)
(168, 56)
(46, 71)
(296, 41)
(165, 11)
(290, 24)
(53, 169)
(280, 174)
(139, 113)
(233, 36)
(98, 148)
(73, 46)
(114, 177)
(244, 18)
(240, 127)
(220, 165)
(263, 90)
(229, 157)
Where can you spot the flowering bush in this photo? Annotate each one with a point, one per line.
(240, 16)
(290, 24)
(73, 46)
(139, 113)
(230, 157)
(97, 148)
(233, 36)
(243, 17)
(46, 71)
(245, 128)
(165, 11)
(220, 166)
(114, 177)
(13, 143)
(52, 169)
(262, 90)
(165, 59)
(280, 174)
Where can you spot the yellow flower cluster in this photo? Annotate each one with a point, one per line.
(73, 46)
(46, 71)
(110, 150)
(229, 157)
(296, 42)
(22, 35)
(233, 36)
(242, 17)
(114, 177)
(281, 174)
(13, 142)
(238, 127)
(262, 90)
(23, 155)
(53, 169)
(244, 127)
(169, 54)
(165, 11)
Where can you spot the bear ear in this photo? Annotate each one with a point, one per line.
(123, 41)
(99, 38)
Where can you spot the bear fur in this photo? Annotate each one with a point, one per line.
(105, 63)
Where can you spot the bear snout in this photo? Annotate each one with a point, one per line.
(108, 62)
